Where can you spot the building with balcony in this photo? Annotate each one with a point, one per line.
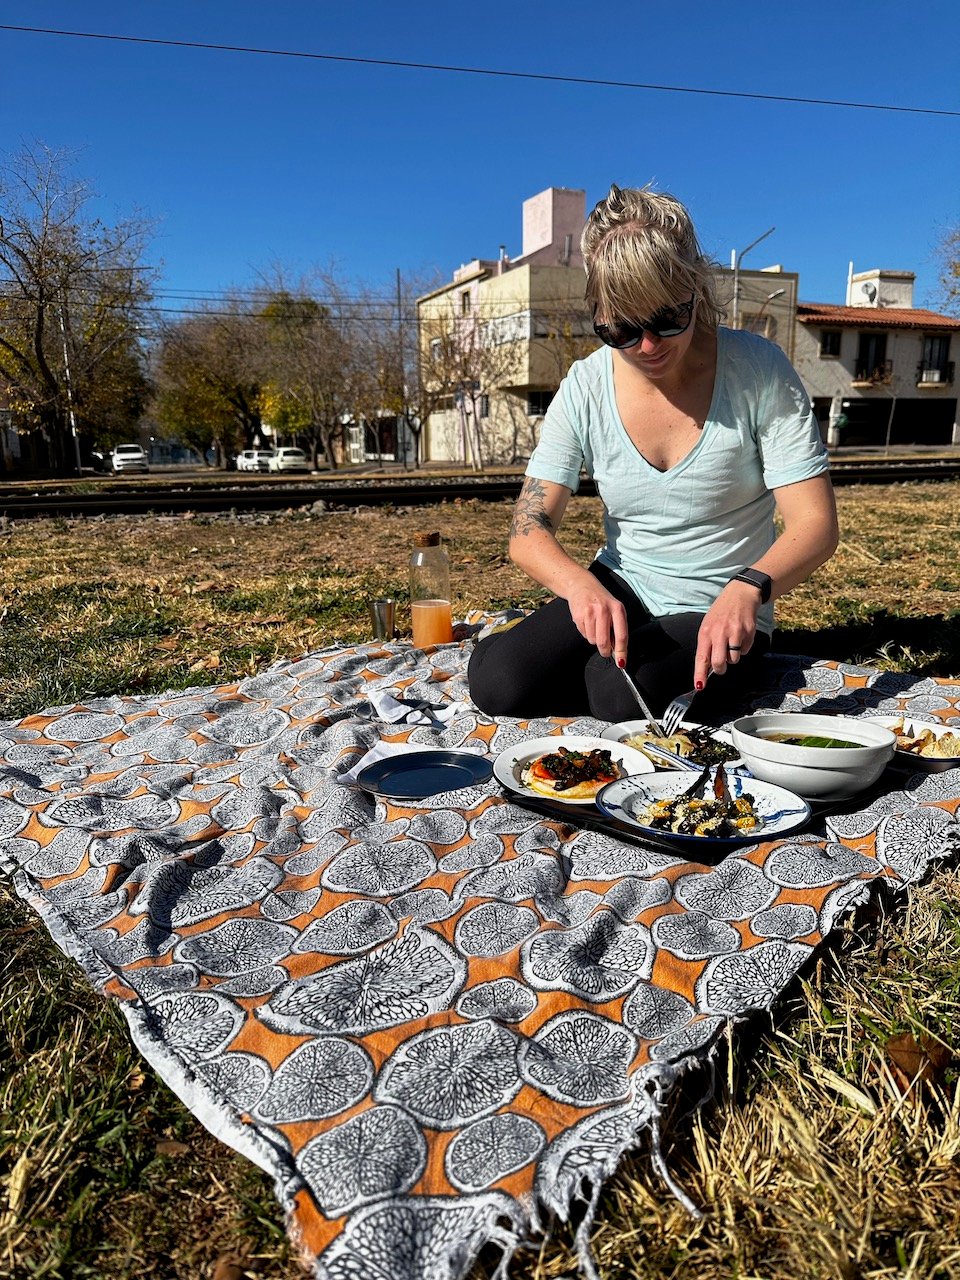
(879, 370)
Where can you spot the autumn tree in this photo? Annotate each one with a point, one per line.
(562, 333)
(310, 361)
(74, 294)
(209, 374)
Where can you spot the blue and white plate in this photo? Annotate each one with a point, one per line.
(779, 810)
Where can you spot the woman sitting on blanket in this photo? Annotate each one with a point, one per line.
(694, 434)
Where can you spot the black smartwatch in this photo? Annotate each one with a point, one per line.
(757, 579)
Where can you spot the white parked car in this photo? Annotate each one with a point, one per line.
(128, 457)
(254, 460)
(288, 459)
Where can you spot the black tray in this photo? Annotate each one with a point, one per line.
(590, 818)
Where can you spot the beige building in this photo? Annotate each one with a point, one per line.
(766, 302)
(498, 338)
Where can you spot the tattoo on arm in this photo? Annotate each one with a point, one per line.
(530, 512)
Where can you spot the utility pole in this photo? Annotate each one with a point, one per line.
(402, 374)
(736, 274)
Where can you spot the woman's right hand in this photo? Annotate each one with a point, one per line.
(599, 617)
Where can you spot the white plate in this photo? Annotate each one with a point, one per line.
(624, 729)
(910, 759)
(780, 810)
(511, 762)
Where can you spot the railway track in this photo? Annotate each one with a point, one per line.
(179, 497)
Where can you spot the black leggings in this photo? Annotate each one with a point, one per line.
(543, 666)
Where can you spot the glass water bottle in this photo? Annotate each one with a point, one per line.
(430, 612)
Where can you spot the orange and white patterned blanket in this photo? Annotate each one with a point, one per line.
(435, 1023)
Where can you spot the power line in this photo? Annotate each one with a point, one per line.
(353, 312)
(481, 71)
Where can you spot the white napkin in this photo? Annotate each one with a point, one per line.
(395, 711)
(380, 751)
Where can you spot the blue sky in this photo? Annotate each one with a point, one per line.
(247, 161)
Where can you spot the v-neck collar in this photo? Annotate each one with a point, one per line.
(687, 458)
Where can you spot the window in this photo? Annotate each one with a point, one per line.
(829, 344)
(436, 349)
(936, 351)
(872, 358)
(465, 302)
(484, 406)
(538, 402)
(935, 365)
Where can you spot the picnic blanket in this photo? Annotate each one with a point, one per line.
(434, 1023)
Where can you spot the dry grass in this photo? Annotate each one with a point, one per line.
(816, 1158)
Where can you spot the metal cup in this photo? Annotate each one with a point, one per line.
(383, 618)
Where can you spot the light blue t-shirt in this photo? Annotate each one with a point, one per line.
(677, 537)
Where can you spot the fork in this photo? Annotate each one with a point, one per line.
(676, 710)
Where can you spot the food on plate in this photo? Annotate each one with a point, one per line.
(697, 744)
(572, 775)
(926, 743)
(810, 740)
(721, 815)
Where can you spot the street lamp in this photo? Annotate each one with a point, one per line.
(767, 300)
(736, 274)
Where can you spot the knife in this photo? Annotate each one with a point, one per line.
(654, 723)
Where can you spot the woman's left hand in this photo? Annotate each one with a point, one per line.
(727, 631)
(809, 537)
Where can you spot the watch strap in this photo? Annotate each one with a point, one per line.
(756, 578)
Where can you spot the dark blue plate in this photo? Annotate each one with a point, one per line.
(424, 773)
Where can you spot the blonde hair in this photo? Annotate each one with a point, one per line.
(641, 254)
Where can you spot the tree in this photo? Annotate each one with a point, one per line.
(73, 299)
(493, 353)
(209, 376)
(562, 333)
(948, 256)
(310, 362)
(408, 388)
(476, 368)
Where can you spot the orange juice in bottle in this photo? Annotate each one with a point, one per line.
(432, 622)
(430, 612)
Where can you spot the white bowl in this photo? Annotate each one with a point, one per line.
(816, 773)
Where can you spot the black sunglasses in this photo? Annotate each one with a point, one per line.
(668, 323)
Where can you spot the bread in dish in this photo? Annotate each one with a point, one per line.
(570, 775)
